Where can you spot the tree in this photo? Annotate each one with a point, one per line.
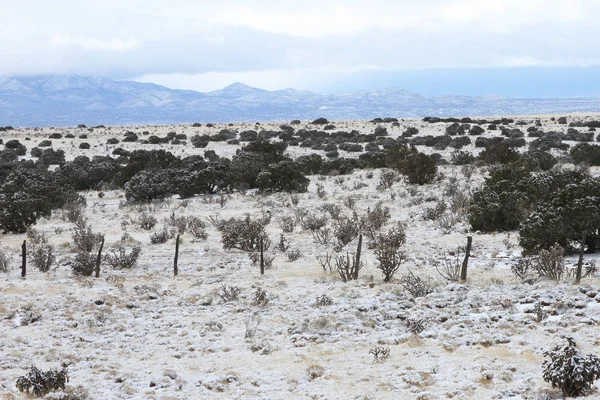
(149, 185)
(27, 195)
(284, 176)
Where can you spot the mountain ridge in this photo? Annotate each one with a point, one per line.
(67, 100)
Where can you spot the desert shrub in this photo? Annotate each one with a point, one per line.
(40, 253)
(499, 153)
(450, 269)
(50, 156)
(84, 145)
(148, 185)
(348, 266)
(260, 298)
(346, 229)
(179, 223)
(112, 141)
(229, 294)
(83, 238)
(45, 143)
(460, 157)
(197, 228)
(373, 220)
(4, 262)
(569, 370)
(282, 177)
(320, 121)
(311, 222)
(119, 258)
(287, 224)
(293, 255)
(388, 253)
(39, 383)
(147, 221)
(415, 285)
(161, 236)
(244, 234)
(83, 264)
(586, 153)
(387, 179)
(550, 263)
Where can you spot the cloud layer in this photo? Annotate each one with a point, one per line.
(290, 44)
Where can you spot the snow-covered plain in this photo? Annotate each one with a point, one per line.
(144, 334)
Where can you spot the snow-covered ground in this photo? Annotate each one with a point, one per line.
(144, 334)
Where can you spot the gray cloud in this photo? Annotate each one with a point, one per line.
(141, 38)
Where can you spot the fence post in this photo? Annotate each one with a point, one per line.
(262, 256)
(24, 259)
(175, 269)
(99, 258)
(463, 270)
(580, 262)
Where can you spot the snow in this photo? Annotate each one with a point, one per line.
(144, 334)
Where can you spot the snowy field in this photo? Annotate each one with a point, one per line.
(144, 334)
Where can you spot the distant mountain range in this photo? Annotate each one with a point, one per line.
(60, 100)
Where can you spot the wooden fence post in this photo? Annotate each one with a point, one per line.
(24, 259)
(175, 269)
(262, 256)
(463, 270)
(99, 258)
(357, 265)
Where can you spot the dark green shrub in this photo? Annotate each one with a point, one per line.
(149, 185)
(39, 383)
(282, 177)
(570, 371)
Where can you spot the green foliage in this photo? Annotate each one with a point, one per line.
(148, 185)
(27, 195)
(570, 371)
(282, 177)
(244, 234)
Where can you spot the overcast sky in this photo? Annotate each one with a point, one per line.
(321, 45)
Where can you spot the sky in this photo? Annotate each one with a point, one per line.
(519, 48)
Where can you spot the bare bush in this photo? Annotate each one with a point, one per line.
(197, 227)
(348, 266)
(294, 255)
(550, 263)
(435, 212)
(333, 209)
(4, 263)
(228, 294)
(84, 239)
(387, 179)
(179, 223)
(161, 236)
(415, 285)
(120, 259)
(146, 221)
(322, 235)
(287, 224)
(252, 323)
(450, 270)
(388, 253)
(312, 222)
(380, 354)
(415, 326)
(325, 262)
(522, 268)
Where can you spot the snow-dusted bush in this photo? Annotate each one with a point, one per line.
(244, 234)
(39, 383)
(570, 371)
(83, 264)
(119, 258)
